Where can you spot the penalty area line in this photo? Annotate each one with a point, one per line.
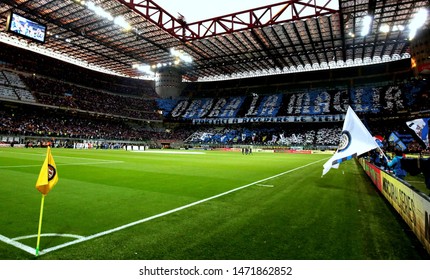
(47, 250)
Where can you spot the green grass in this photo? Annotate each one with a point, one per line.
(418, 182)
(297, 215)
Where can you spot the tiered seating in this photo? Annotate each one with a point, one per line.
(25, 95)
(3, 80)
(12, 87)
(62, 94)
(14, 79)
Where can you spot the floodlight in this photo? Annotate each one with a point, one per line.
(367, 21)
(119, 20)
(417, 22)
(419, 19)
(384, 28)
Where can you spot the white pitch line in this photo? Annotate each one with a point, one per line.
(267, 186)
(48, 235)
(28, 249)
(18, 245)
(45, 251)
(64, 164)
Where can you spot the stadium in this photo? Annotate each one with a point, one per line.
(179, 139)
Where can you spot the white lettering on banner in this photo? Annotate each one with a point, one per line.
(206, 107)
(269, 105)
(322, 100)
(393, 99)
(180, 107)
(193, 108)
(299, 101)
(217, 108)
(231, 107)
(291, 104)
(375, 100)
(340, 103)
(359, 101)
(252, 109)
(285, 119)
(306, 103)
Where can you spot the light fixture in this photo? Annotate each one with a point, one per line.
(367, 21)
(119, 20)
(143, 68)
(181, 55)
(398, 27)
(385, 28)
(417, 22)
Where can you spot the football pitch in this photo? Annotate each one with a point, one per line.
(196, 205)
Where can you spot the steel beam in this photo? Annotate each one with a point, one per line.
(278, 13)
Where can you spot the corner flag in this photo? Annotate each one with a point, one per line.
(48, 175)
(354, 141)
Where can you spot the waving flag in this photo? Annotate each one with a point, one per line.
(354, 141)
(48, 175)
(421, 128)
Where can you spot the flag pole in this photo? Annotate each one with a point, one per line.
(40, 225)
(382, 151)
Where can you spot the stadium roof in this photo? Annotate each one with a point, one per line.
(288, 36)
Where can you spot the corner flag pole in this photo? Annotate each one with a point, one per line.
(40, 225)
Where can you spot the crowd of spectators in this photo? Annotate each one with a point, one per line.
(31, 62)
(48, 122)
(48, 91)
(270, 135)
(61, 94)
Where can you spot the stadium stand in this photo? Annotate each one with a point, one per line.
(304, 110)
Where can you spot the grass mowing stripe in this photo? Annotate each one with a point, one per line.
(45, 251)
(55, 156)
(170, 152)
(64, 164)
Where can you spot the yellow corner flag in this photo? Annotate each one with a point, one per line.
(48, 175)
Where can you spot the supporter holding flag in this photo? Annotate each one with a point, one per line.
(354, 141)
(396, 165)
